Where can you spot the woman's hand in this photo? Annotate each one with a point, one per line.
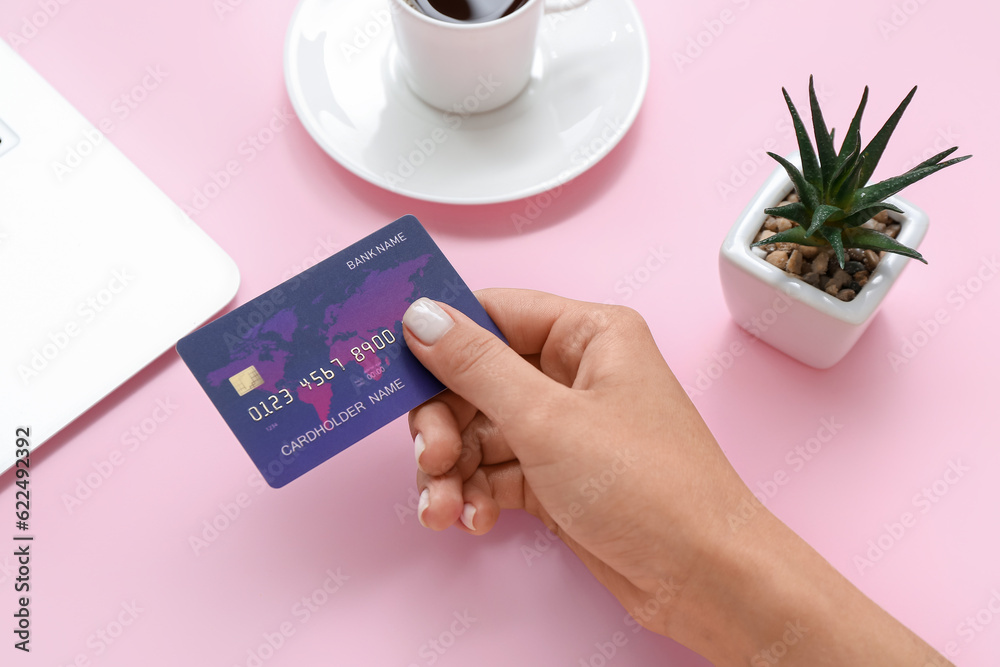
(581, 423)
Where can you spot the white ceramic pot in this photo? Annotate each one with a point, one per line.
(787, 313)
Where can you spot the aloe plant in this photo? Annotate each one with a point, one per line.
(835, 199)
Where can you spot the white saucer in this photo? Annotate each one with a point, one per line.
(590, 74)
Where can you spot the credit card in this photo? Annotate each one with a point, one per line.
(309, 368)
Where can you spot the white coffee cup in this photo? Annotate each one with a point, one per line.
(470, 67)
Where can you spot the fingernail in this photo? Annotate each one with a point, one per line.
(427, 321)
(468, 514)
(418, 447)
(425, 501)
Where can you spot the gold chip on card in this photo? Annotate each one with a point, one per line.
(246, 381)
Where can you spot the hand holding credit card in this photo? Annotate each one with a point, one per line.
(311, 367)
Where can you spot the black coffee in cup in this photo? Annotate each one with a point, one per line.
(468, 11)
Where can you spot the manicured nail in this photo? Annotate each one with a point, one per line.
(418, 447)
(425, 501)
(468, 515)
(427, 321)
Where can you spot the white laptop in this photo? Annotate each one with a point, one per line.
(100, 272)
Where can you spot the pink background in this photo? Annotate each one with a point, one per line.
(129, 541)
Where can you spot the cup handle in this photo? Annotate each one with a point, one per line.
(552, 6)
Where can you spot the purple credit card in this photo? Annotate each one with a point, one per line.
(309, 368)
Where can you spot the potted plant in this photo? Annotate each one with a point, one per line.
(810, 260)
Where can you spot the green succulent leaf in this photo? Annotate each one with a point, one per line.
(823, 214)
(844, 169)
(852, 140)
(874, 193)
(864, 215)
(810, 165)
(835, 238)
(869, 239)
(793, 235)
(807, 192)
(875, 148)
(936, 159)
(796, 212)
(847, 190)
(824, 141)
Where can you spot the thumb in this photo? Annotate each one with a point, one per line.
(473, 362)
